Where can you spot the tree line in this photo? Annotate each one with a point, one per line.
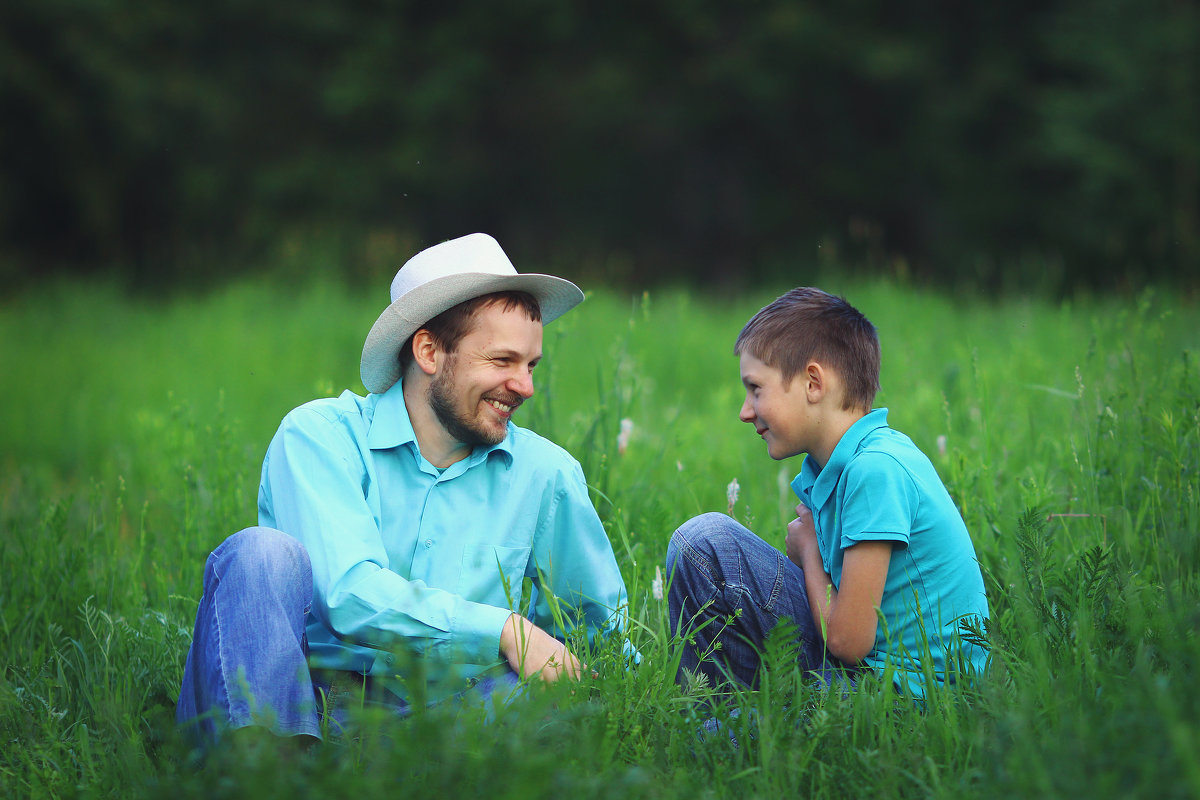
(1055, 142)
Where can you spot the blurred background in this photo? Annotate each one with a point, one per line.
(1048, 145)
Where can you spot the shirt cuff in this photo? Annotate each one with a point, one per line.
(477, 628)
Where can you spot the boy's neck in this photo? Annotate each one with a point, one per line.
(832, 427)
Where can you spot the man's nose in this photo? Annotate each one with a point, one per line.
(522, 383)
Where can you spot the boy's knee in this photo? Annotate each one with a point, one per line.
(699, 547)
(700, 533)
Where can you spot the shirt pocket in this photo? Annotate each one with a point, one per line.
(492, 574)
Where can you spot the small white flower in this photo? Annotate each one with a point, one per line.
(624, 435)
(656, 587)
(731, 492)
(941, 445)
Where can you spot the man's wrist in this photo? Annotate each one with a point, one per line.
(508, 634)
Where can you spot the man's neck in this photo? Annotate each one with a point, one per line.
(436, 445)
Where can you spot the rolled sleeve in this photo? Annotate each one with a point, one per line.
(477, 630)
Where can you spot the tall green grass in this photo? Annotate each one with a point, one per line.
(131, 435)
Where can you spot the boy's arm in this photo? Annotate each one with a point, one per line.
(846, 617)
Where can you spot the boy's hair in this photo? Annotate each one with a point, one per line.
(807, 324)
(449, 327)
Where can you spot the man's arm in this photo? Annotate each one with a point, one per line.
(846, 616)
(312, 489)
(529, 649)
(577, 575)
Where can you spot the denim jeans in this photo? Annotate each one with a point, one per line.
(731, 588)
(248, 661)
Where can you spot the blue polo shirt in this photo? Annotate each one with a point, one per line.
(878, 486)
(432, 562)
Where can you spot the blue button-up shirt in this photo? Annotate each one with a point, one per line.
(410, 558)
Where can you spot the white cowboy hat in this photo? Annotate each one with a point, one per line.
(440, 278)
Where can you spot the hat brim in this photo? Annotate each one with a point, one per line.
(380, 366)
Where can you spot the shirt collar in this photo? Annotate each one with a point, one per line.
(390, 426)
(823, 483)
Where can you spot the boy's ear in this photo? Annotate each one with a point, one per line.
(426, 353)
(815, 381)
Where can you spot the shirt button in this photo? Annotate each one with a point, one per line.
(429, 542)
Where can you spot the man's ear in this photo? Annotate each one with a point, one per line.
(426, 353)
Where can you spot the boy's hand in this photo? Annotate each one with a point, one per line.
(801, 541)
(529, 649)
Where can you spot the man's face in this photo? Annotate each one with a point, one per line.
(477, 388)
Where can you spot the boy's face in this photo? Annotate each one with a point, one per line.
(780, 414)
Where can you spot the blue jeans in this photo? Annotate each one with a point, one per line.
(248, 663)
(718, 569)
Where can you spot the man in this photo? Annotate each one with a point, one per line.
(400, 532)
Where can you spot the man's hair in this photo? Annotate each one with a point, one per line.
(807, 324)
(449, 327)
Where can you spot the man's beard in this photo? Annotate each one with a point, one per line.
(465, 430)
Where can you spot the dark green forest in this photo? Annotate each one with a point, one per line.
(1051, 145)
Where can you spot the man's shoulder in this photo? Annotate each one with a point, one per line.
(345, 409)
(536, 450)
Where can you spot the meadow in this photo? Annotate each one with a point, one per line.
(1068, 432)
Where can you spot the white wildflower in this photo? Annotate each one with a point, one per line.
(656, 588)
(624, 435)
(731, 492)
(941, 445)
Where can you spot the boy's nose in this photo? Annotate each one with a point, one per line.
(746, 413)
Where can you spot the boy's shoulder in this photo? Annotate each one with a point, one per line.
(883, 450)
(886, 440)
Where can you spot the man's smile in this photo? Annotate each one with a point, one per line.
(506, 406)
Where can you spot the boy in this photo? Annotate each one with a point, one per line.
(879, 568)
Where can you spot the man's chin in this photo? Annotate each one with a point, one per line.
(491, 433)
(496, 437)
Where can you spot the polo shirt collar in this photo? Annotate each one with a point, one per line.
(824, 482)
(390, 426)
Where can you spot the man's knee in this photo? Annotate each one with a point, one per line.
(265, 554)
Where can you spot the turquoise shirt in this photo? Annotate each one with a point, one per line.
(878, 486)
(407, 558)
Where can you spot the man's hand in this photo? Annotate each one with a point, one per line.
(801, 539)
(529, 649)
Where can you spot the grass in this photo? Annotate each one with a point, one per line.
(131, 435)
